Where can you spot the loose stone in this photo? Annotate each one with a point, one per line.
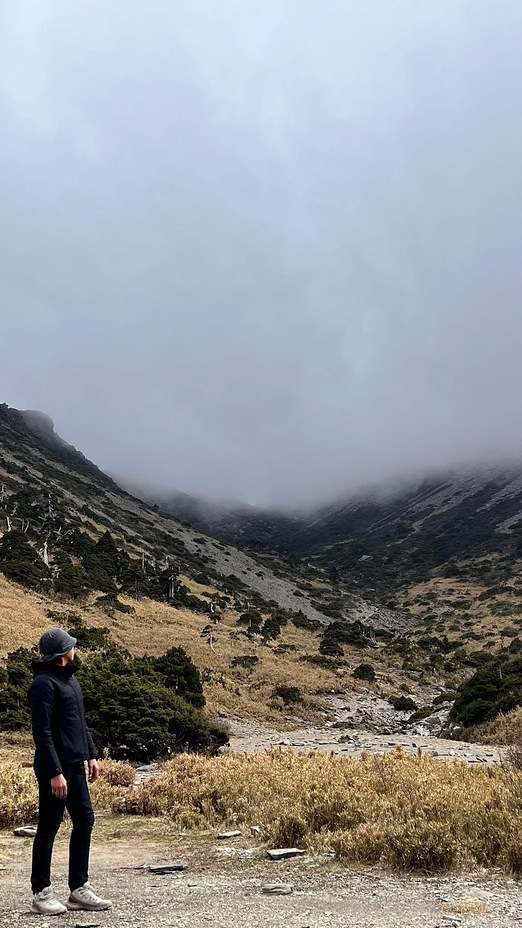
(283, 853)
(26, 831)
(167, 868)
(277, 889)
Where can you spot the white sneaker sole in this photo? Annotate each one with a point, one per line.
(85, 907)
(38, 911)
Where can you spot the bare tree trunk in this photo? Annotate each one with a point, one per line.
(44, 554)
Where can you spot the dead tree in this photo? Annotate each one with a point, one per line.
(208, 634)
(44, 554)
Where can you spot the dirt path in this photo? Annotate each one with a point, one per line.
(222, 888)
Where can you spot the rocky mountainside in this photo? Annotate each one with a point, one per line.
(404, 595)
(48, 488)
(466, 525)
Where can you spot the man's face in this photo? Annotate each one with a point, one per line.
(66, 659)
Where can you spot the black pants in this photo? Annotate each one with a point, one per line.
(50, 817)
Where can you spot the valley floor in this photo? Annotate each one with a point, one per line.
(222, 886)
(252, 737)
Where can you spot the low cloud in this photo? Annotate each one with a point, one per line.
(264, 251)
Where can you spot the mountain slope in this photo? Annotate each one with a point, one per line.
(164, 584)
(385, 542)
(48, 489)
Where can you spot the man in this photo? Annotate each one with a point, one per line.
(63, 744)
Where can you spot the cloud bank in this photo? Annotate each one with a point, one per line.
(264, 250)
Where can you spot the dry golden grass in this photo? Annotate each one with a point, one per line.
(19, 792)
(406, 812)
(467, 907)
(16, 747)
(154, 627)
(18, 795)
(23, 615)
(505, 729)
(398, 811)
(449, 591)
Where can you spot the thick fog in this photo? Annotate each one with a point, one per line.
(267, 250)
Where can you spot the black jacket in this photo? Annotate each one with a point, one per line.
(60, 732)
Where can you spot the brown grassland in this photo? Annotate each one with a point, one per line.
(153, 627)
(398, 811)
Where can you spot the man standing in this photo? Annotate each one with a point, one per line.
(63, 744)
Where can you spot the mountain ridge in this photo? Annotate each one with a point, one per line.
(32, 453)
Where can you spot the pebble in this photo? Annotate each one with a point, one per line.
(229, 834)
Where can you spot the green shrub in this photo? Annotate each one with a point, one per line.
(247, 661)
(137, 718)
(402, 703)
(291, 695)
(365, 672)
(252, 619)
(134, 706)
(179, 674)
(14, 708)
(110, 603)
(338, 633)
(300, 620)
(20, 562)
(323, 660)
(493, 689)
(72, 581)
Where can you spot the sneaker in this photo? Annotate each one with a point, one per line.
(85, 898)
(46, 903)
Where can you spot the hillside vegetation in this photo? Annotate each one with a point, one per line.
(272, 637)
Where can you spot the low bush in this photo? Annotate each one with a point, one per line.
(300, 620)
(403, 811)
(337, 634)
(365, 672)
(20, 562)
(323, 660)
(504, 729)
(403, 703)
(137, 708)
(291, 695)
(493, 689)
(247, 661)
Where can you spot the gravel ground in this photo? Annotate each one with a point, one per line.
(252, 737)
(222, 887)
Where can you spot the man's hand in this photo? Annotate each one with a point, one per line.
(59, 786)
(94, 770)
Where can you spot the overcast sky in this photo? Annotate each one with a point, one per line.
(267, 249)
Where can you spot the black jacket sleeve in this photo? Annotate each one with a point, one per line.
(41, 700)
